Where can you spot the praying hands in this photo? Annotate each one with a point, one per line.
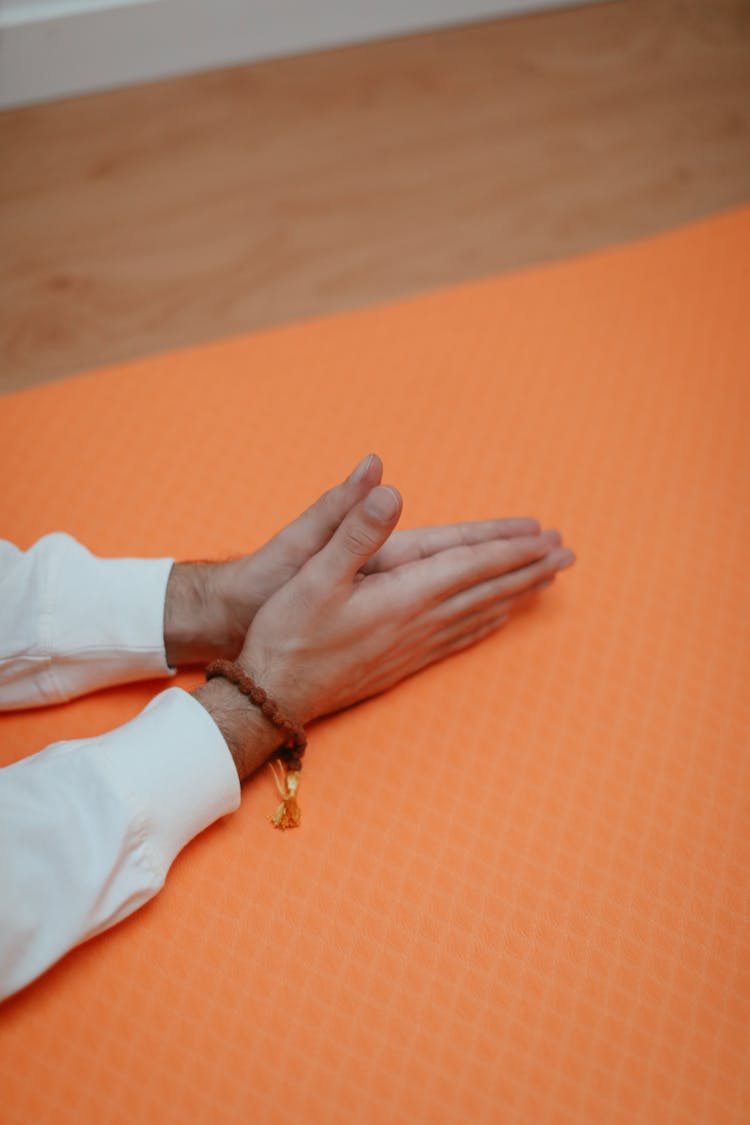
(337, 607)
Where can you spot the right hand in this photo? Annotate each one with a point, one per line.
(340, 631)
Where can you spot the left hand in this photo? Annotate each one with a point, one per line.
(209, 606)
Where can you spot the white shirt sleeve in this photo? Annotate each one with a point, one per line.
(71, 622)
(90, 827)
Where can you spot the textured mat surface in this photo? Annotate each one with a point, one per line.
(520, 893)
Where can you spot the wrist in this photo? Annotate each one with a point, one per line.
(198, 621)
(282, 675)
(251, 739)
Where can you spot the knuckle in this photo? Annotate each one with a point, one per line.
(358, 539)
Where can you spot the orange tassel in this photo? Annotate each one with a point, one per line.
(288, 813)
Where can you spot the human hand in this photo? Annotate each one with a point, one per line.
(209, 606)
(349, 625)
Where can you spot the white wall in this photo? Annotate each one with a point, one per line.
(53, 48)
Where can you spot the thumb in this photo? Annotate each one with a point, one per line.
(362, 532)
(309, 532)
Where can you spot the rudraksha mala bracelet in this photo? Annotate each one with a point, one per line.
(294, 740)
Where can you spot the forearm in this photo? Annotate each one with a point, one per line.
(89, 828)
(71, 622)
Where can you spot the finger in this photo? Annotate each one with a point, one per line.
(462, 641)
(306, 535)
(432, 580)
(421, 542)
(360, 534)
(515, 582)
(473, 617)
(526, 597)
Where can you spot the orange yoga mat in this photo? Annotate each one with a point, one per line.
(520, 891)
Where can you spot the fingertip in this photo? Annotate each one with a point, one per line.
(384, 503)
(370, 468)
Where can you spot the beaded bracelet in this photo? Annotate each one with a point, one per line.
(294, 741)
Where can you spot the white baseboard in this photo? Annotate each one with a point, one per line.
(56, 48)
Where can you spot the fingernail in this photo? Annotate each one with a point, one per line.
(361, 470)
(382, 503)
(566, 559)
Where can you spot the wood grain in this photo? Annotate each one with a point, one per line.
(168, 214)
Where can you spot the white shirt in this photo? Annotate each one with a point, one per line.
(90, 827)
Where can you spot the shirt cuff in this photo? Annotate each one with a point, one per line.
(174, 768)
(103, 619)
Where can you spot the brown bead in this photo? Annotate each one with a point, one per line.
(294, 738)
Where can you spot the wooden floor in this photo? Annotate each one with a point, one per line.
(168, 214)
